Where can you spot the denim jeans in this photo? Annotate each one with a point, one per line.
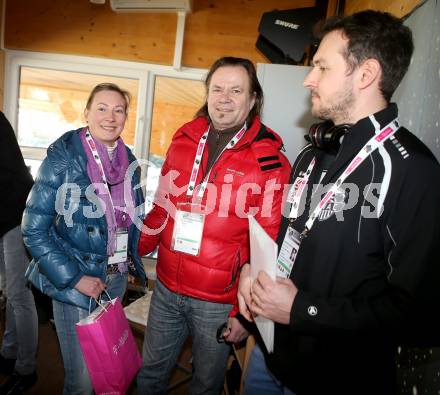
(20, 339)
(258, 378)
(171, 319)
(76, 376)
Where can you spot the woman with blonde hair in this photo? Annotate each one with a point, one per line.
(79, 222)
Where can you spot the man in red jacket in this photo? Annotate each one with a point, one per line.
(221, 167)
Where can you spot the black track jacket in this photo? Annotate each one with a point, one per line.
(368, 276)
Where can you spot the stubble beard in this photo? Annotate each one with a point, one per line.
(339, 111)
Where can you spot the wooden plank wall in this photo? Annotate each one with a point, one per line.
(399, 8)
(215, 28)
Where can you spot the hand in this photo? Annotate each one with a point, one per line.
(244, 292)
(131, 279)
(235, 332)
(90, 286)
(273, 299)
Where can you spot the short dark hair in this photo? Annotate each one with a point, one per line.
(375, 35)
(109, 86)
(254, 85)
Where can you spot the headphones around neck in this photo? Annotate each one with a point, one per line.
(327, 136)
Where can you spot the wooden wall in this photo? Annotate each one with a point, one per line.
(214, 28)
(399, 8)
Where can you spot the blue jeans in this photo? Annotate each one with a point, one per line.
(76, 376)
(171, 319)
(259, 380)
(20, 339)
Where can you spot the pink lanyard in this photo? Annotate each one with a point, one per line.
(198, 161)
(381, 135)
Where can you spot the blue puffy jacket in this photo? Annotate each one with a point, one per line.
(65, 243)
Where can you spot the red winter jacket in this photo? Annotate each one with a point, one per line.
(250, 176)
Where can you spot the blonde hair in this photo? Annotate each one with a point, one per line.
(109, 86)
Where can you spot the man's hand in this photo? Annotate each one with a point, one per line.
(272, 299)
(235, 332)
(90, 286)
(244, 292)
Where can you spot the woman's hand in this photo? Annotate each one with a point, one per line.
(90, 286)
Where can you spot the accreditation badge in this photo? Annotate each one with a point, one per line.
(120, 254)
(188, 228)
(289, 250)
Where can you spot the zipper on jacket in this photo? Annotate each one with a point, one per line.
(234, 273)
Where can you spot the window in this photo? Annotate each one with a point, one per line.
(52, 102)
(175, 102)
(45, 95)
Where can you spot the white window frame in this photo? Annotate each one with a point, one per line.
(145, 73)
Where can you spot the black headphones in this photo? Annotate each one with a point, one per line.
(327, 136)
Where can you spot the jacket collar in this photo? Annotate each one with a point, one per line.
(70, 144)
(356, 137)
(255, 132)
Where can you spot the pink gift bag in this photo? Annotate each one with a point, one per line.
(109, 349)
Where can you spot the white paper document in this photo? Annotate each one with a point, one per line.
(264, 253)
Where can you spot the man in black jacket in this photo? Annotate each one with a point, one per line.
(364, 214)
(19, 345)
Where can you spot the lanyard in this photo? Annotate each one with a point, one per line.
(381, 135)
(198, 161)
(98, 161)
(299, 186)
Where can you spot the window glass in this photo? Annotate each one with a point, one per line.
(51, 102)
(33, 165)
(176, 102)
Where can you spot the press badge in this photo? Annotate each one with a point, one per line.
(289, 250)
(188, 229)
(120, 254)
